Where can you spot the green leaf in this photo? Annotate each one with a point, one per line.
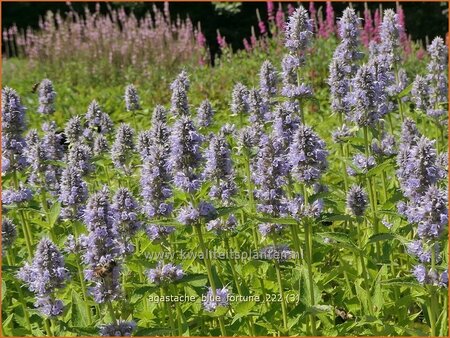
(196, 280)
(224, 211)
(3, 290)
(362, 296)
(377, 299)
(244, 308)
(442, 324)
(220, 311)
(402, 281)
(405, 91)
(142, 290)
(79, 310)
(251, 268)
(339, 239)
(380, 168)
(335, 217)
(5, 326)
(316, 309)
(54, 212)
(381, 237)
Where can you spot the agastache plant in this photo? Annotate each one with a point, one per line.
(80, 156)
(366, 100)
(74, 130)
(13, 126)
(97, 121)
(219, 169)
(298, 30)
(44, 276)
(357, 200)
(268, 80)
(419, 173)
(185, 156)
(120, 329)
(285, 124)
(47, 97)
(35, 154)
(418, 168)
(343, 66)
(155, 183)
(123, 148)
(307, 154)
(268, 173)
(179, 101)
(132, 100)
(258, 108)
(212, 301)
(429, 93)
(239, 100)
(9, 233)
(165, 274)
(125, 217)
(73, 193)
(387, 61)
(103, 248)
(205, 114)
(252, 170)
(298, 34)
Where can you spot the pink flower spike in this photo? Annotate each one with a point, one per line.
(312, 11)
(221, 41)
(201, 40)
(247, 46)
(367, 33)
(291, 9)
(262, 27)
(279, 19)
(330, 29)
(377, 24)
(270, 11)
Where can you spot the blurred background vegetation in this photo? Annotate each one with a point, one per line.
(234, 20)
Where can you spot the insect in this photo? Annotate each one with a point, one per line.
(35, 87)
(344, 315)
(101, 271)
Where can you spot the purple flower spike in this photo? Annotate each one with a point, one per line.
(44, 276)
(47, 97)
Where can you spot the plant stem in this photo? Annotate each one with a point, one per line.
(53, 326)
(11, 261)
(432, 308)
(233, 268)
(47, 327)
(24, 227)
(280, 287)
(169, 311)
(293, 227)
(178, 310)
(236, 281)
(295, 239)
(372, 195)
(308, 243)
(309, 259)
(111, 312)
(47, 216)
(80, 276)
(250, 194)
(364, 267)
(207, 262)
